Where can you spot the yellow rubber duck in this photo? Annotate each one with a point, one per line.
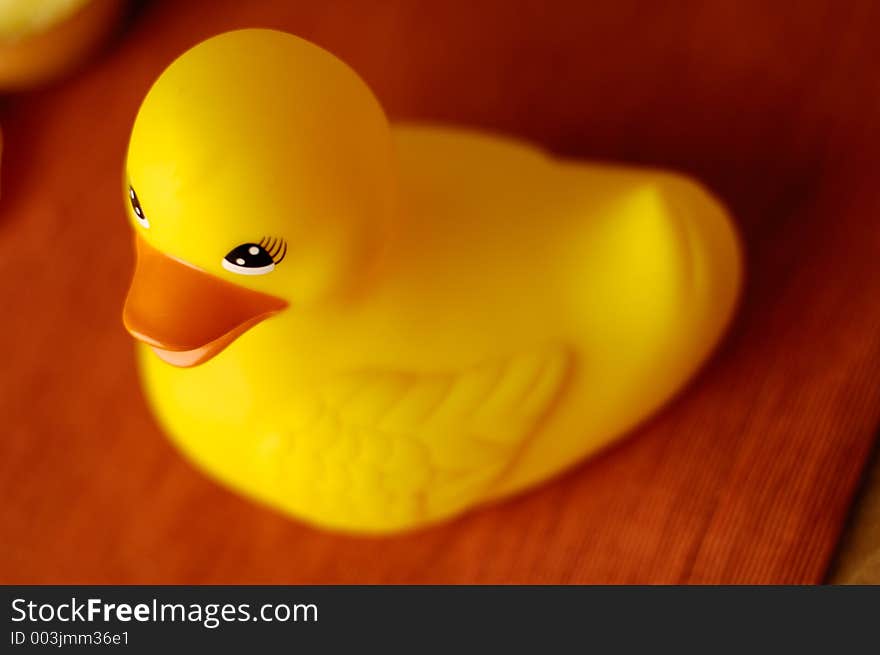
(42, 39)
(374, 328)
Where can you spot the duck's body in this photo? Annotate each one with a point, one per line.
(526, 312)
(41, 39)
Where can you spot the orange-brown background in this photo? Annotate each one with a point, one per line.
(746, 477)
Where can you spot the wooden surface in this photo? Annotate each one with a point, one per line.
(747, 477)
(858, 558)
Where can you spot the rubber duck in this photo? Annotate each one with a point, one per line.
(375, 328)
(42, 39)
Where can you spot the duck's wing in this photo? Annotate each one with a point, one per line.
(395, 446)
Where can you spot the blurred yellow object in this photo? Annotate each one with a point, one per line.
(375, 328)
(41, 39)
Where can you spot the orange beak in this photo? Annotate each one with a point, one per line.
(186, 314)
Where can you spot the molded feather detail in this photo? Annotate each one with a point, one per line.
(430, 443)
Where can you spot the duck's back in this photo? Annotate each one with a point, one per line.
(483, 223)
(499, 234)
(635, 271)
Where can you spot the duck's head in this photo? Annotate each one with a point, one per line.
(259, 181)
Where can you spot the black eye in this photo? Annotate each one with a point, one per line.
(255, 258)
(136, 207)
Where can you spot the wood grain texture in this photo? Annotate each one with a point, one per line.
(746, 477)
(858, 558)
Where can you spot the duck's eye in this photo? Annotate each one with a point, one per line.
(255, 258)
(138, 210)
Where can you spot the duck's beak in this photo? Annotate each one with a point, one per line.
(186, 314)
